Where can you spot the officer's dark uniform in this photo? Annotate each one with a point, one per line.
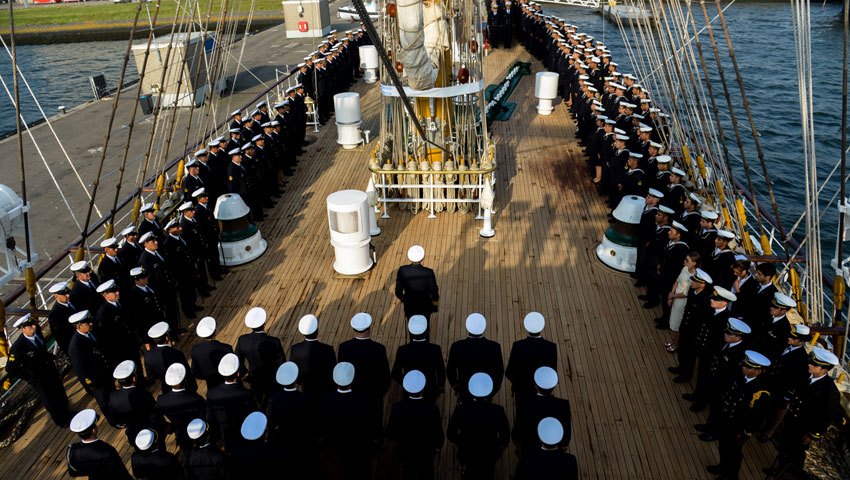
(182, 262)
(155, 465)
(416, 286)
(316, 361)
(145, 311)
(205, 462)
(116, 330)
(85, 296)
(470, 356)
(372, 370)
(157, 361)
(697, 312)
(532, 409)
(133, 407)
(811, 410)
(96, 460)
(417, 426)
(237, 181)
(129, 254)
(258, 459)
(288, 411)
(205, 359)
(180, 408)
(771, 343)
(721, 268)
(210, 232)
(759, 316)
(190, 184)
(743, 408)
(481, 432)
(92, 368)
(60, 329)
(32, 362)
(540, 463)
(112, 268)
(164, 285)
(351, 430)
(227, 406)
(709, 339)
(264, 354)
(527, 355)
(426, 357)
(151, 226)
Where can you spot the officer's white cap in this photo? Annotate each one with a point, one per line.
(417, 324)
(480, 385)
(255, 318)
(196, 428)
(79, 316)
(83, 420)
(361, 321)
(235, 151)
(145, 237)
(755, 359)
(783, 301)
(308, 324)
(621, 138)
(127, 230)
(172, 224)
(656, 193)
(824, 357)
(175, 374)
(415, 253)
(148, 207)
(213, 143)
(414, 381)
(109, 242)
(655, 144)
(678, 171)
(58, 287)
(663, 159)
(197, 193)
(185, 206)
(124, 370)
(145, 439)
(736, 325)
(235, 112)
(25, 319)
(78, 266)
(635, 154)
(701, 274)
(666, 209)
(206, 327)
(476, 324)
(134, 272)
(228, 365)
(725, 234)
(287, 373)
(107, 285)
(550, 431)
(800, 329)
(159, 329)
(546, 378)
(343, 374)
(725, 294)
(534, 322)
(709, 215)
(254, 426)
(679, 226)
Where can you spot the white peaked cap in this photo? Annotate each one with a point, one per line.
(105, 286)
(308, 324)
(255, 318)
(145, 439)
(546, 378)
(196, 428)
(287, 373)
(476, 324)
(254, 426)
(361, 321)
(124, 370)
(343, 374)
(414, 381)
(159, 329)
(77, 266)
(228, 365)
(109, 242)
(58, 287)
(417, 324)
(79, 316)
(480, 385)
(534, 322)
(550, 431)
(415, 253)
(206, 327)
(175, 374)
(83, 420)
(25, 319)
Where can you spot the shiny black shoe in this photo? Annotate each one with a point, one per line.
(698, 407)
(662, 326)
(681, 379)
(649, 305)
(674, 369)
(198, 308)
(204, 293)
(689, 397)
(643, 297)
(714, 469)
(707, 437)
(701, 427)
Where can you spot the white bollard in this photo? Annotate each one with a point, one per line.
(369, 63)
(546, 90)
(487, 229)
(347, 112)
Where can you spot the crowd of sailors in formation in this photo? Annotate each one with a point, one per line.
(728, 319)
(266, 412)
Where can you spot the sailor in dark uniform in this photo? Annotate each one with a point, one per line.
(150, 223)
(771, 340)
(182, 262)
(531, 409)
(90, 362)
(162, 356)
(92, 457)
(743, 407)
(236, 141)
(315, 360)
(195, 239)
(661, 181)
(130, 249)
(237, 175)
(131, 405)
(370, 361)
(29, 360)
(262, 353)
(263, 108)
(62, 309)
(691, 219)
(697, 310)
(236, 115)
(229, 403)
(722, 260)
(160, 278)
(759, 312)
(203, 460)
(529, 354)
(192, 181)
(705, 239)
(634, 181)
(811, 410)
(218, 160)
(288, 411)
(255, 456)
(786, 375)
(416, 285)
(150, 462)
(348, 425)
(114, 326)
(744, 287)
(179, 405)
(202, 158)
(210, 231)
(494, 25)
(671, 265)
(422, 356)
(145, 308)
(646, 232)
(651, 273)
(417, 425)
(111, 267)
(547, 461)
(84, 294)
(206, 356)
(676, 194)
(479, 429)
(474, 354)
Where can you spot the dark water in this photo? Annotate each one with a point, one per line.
(762, 36)
(763, 39)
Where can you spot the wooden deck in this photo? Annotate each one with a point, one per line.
(628, 418)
